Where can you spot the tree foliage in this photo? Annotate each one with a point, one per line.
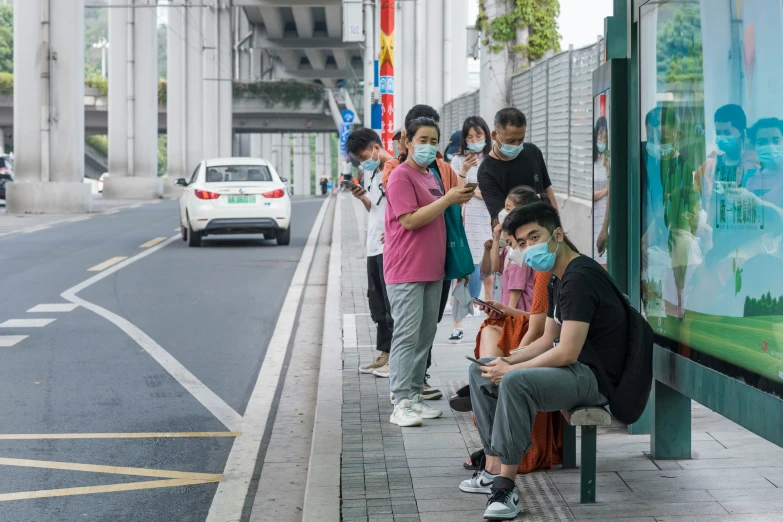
(96, 28)
(679, 47)
(765, 305)
(6, 38)
(539, 17)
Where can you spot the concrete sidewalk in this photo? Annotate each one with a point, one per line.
(390, 473)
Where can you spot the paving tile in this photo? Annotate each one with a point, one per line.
(645, 509)
(467, 503)
(452, 516)
(695, 479)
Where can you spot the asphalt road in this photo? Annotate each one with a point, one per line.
(212, 309)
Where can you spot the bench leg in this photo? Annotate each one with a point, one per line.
(569, 446)
(587, 471)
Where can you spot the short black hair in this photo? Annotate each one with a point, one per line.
(510, 116)
(660, 116)
(764, 123)
(421, 111)
(541, 213)
(524, 195)
(733, 114)
(361, 140)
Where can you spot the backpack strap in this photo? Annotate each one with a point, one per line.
(607, 382)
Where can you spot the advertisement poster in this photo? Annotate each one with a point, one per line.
(601, 171)
(712, 181)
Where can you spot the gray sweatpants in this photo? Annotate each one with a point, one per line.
(414, 308)
(505, 413)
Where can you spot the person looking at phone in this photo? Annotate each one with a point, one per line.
(474, 144)
(365, 146)
(554, 372)
(415, 255)
(511, 163)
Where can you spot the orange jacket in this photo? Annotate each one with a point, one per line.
(449, 176)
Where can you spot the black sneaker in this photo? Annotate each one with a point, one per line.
(504, 503)
(428, 393)
(456, 336)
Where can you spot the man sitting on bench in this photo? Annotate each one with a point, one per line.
(585, 320)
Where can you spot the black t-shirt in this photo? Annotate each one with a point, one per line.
(585, 294)
(496, 178)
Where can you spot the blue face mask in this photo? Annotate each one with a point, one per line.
(770, 156)
(511, 151)
(601, 146)
(424, 154)
(371, 165)
(477, 146)
(539, 258)
(728, 144)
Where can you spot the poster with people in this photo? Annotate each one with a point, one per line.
(711, 156)
(601, 170)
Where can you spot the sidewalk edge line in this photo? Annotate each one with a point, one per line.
(322, 492)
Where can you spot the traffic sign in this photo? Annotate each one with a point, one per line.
(348, 116)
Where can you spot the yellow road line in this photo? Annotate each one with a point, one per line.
(153, 242)
(106, 264)
(151, 435)
(87, 490)
(114, 470)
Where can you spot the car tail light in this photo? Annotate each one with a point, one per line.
(205, 194)
(272, 194)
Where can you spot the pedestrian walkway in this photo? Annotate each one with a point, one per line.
(391, 474)
(27, 223)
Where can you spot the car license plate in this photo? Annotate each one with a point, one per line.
(241, 199)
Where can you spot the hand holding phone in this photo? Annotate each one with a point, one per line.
(488, 306)
(471, 359)
(349, 184)
(471, 186)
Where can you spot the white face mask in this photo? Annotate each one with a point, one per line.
(502, 215)
(515, 255)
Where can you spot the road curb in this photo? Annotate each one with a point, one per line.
(322, 492)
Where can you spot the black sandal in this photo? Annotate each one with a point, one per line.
(477, 460)
(461, 401)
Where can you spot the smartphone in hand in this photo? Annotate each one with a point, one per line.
(471, 359)
(472, 186)
(350, 185)
(487, 305)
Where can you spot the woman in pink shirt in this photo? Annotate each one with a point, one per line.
(413, 265)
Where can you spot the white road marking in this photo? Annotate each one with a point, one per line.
(229, 499)
(216, 406)
(6, 341)
(52, 308)
(26, 323)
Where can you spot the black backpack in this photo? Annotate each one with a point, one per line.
(628, 400)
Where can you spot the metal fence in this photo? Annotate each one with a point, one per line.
(556, 95)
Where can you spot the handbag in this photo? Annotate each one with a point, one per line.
(459, 261)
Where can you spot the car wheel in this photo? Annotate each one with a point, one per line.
(184, 232)
(194, 238)
(284, 236)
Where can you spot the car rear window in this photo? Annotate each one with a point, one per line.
(238, 173)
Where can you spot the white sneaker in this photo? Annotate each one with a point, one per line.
(404, 416)
(503, 505)
(456, 336)
(481, 482)
(424, 410)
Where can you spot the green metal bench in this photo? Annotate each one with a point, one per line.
(589, 419)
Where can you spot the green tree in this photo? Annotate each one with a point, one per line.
(679, 45)
(162, 54)
(96, 28)
(6, 38)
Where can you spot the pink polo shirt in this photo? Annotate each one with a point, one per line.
(413, 256)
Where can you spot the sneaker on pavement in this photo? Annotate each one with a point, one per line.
(404, 415)
(382, 371)
(503, 504)
(481, 482)
(425, 411)
(380, 361)
(429, 393)
(456, 336)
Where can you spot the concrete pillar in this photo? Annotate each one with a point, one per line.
(255, 150)
(455, 75)
(495, 76)
(434, 55)
(328, 155)
(133, 104)
(2, 141)
(194, 91)
(319, 158)
(274, 156)
(49, 83)
(217, 77)
(176, 98)
(285, 159)
(298, 173)
(266, 146)
(419, 38)
(307, 175)
(369, 60)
